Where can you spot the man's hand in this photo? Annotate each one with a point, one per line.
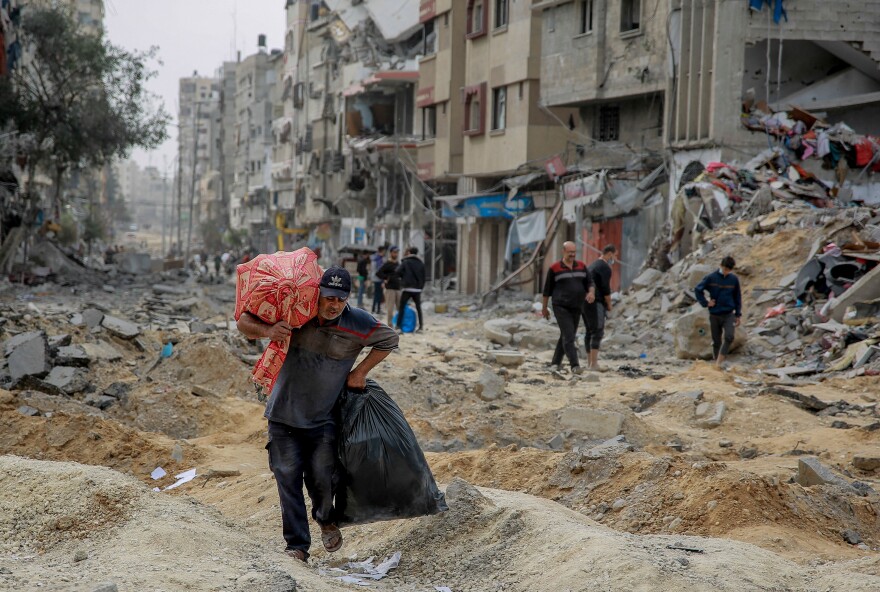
(591, 297)
(545, 312)
(280, 331)
(736, 322)
(356, 380)
(711, 303)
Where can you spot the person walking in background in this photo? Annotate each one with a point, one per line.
(302, 431)
(595, 313)
(377, 260)
(569, 284)
(390, 276)
(724, 304)
(412, 281)
(363, 267)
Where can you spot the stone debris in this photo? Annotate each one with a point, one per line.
(596, 423)
(72, 355)
(28, 356)
(92, 317)
(28, 411)
(866, 463)
(120, 327)
(710, 415)
(812, 472)
(490, 386)
(509, 357)
(67, 379)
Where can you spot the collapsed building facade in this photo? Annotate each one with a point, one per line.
(344, 137)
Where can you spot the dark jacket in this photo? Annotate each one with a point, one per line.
(363, 266)
(725, 291)
(390, 274)
(412, 272)
(600, 272)
(568, 286)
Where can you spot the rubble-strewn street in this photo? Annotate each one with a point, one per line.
(659, 467)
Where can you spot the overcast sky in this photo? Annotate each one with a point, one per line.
(191, 35)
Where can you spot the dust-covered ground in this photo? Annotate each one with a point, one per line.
(537, 501)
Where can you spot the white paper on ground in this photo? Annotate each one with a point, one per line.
(184, 477)
(158, 473)
(442, 589)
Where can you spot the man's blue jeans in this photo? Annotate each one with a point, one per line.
(298, 456)
(362, 288)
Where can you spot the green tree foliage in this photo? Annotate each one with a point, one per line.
(79, 100)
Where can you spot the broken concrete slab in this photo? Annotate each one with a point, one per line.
(92, 317)
(200, 327)
(610, 448)
(865, 289)
(165, 289)
(496, 331)
(710, 415)
(509, 357)
(102, 351)
(118, 390)
(489, 386)
(10, 344)
(120, 327)
(28, 411)
(812, 472)
(693, 337)
(696, 273)
(520, 333)
(67, 379)
(644, 296)
(29, 357)
(56, 341)
(596, 423)
(556, 442)
(102, 402)
(72, 355)
(802, 400)
(647, 279)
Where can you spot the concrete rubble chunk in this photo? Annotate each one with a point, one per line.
(200, 327)
(13, 342)
(851, 536)
(533, 334)
(693, 338)
(867, 288)
(697, 273)
(509, 357)
(556, 442)
(92, 317)
(490, 386)
(102, 351)
(120, 327)
(102, 402)
(29, 358)
(72, 355)
(812, 472)
(866, 463)
(164, 289)
(712, 416)
(56, 341)
(644, 296)
(67, 379)
(610, 448)
(106, 587)
(647, 279)
(596, 423)
(28, 411)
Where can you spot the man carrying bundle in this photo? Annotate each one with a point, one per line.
(302, 433)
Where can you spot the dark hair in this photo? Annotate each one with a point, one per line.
(380, 248)
(609, 249)
(413, 250)
(728, 262)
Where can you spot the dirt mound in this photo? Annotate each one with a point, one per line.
(93, 525)
(205, 361)
(88, 440)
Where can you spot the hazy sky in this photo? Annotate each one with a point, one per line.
(191, 35)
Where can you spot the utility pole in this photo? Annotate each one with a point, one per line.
(179, 184)
(192, 186)
(164, 203)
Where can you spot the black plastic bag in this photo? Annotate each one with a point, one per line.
(384, 474)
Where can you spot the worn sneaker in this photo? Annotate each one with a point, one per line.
(297, 554)
(577, 370)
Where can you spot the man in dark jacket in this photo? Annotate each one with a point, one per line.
(376, 261)
(724, 304)
(412, 281)
(569, 284)
(363, 270)
(597, 311)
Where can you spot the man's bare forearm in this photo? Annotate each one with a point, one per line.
(252, 327)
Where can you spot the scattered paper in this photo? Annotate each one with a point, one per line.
(358, 572)
(158, 473)
(442, 589)
(184, 477)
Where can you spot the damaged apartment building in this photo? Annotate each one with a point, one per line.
(485, 140)
(659, 84)
(345, 147)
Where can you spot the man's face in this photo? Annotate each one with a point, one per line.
(330, 307)
(568, 254)
(394, 255)
(725, 271)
